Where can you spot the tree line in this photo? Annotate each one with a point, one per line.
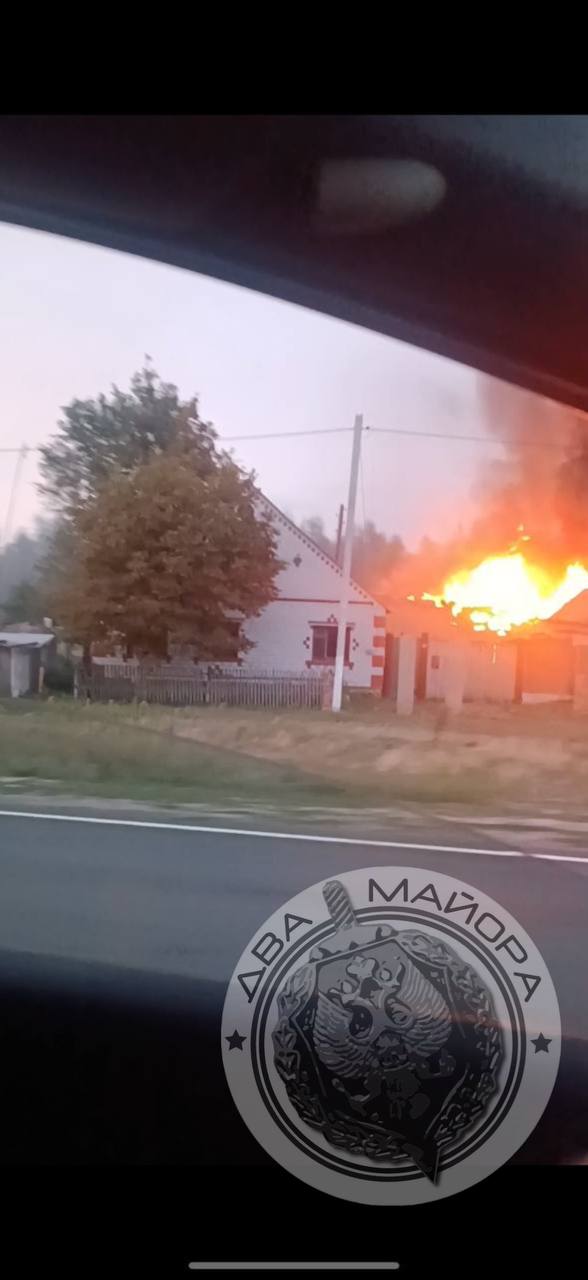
(375, 555)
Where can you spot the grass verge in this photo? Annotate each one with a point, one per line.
(220, 758)
(91, 750)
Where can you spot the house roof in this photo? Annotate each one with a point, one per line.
(318, 551)
(25, 639)
(415, 617)
(28, 627)
(574, 613)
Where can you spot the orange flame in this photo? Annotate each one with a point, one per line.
(508, 591)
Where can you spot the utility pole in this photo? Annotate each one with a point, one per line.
(346, 574)
(7, 529)
(339, 535)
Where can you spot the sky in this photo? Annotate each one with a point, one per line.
(74, 319)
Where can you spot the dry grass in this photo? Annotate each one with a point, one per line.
(487, 753)
(536, 755)
(94, 750)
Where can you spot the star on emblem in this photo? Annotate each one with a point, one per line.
(236, 1041)
(541, 1044)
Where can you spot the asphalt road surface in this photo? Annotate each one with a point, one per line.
(117, 938)
(149, 894)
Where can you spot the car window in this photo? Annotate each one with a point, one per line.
(293, 696)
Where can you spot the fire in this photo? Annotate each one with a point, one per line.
(507, 591)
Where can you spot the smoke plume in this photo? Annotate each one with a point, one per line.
(536, 488)
(531, 494)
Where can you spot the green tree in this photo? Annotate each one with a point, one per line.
(118, 433)
(165, 552)
(375, 555)
(19, 558)
(314, 526)
(24, 603)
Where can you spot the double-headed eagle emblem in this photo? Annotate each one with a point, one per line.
(386, 1041)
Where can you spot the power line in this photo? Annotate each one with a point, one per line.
(448, 435)
(287, 435)
(382, 431)
(262, 435)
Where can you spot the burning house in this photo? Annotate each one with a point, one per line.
(508, 619)
(441, 658)
(554, 657)
(533, 650)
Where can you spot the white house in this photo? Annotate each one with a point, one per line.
(298, 631)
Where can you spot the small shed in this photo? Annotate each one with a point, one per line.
(20, 661)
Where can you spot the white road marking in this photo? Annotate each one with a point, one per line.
(261, 835)
(559, 857)
(291, 835)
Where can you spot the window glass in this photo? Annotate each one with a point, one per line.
(324, 643)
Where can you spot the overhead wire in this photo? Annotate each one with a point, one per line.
(262, 435)
(450, 435)
(466, 437)
(288, 435)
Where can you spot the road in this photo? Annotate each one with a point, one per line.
(171, 897)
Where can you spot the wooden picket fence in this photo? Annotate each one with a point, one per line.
(205, 687)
